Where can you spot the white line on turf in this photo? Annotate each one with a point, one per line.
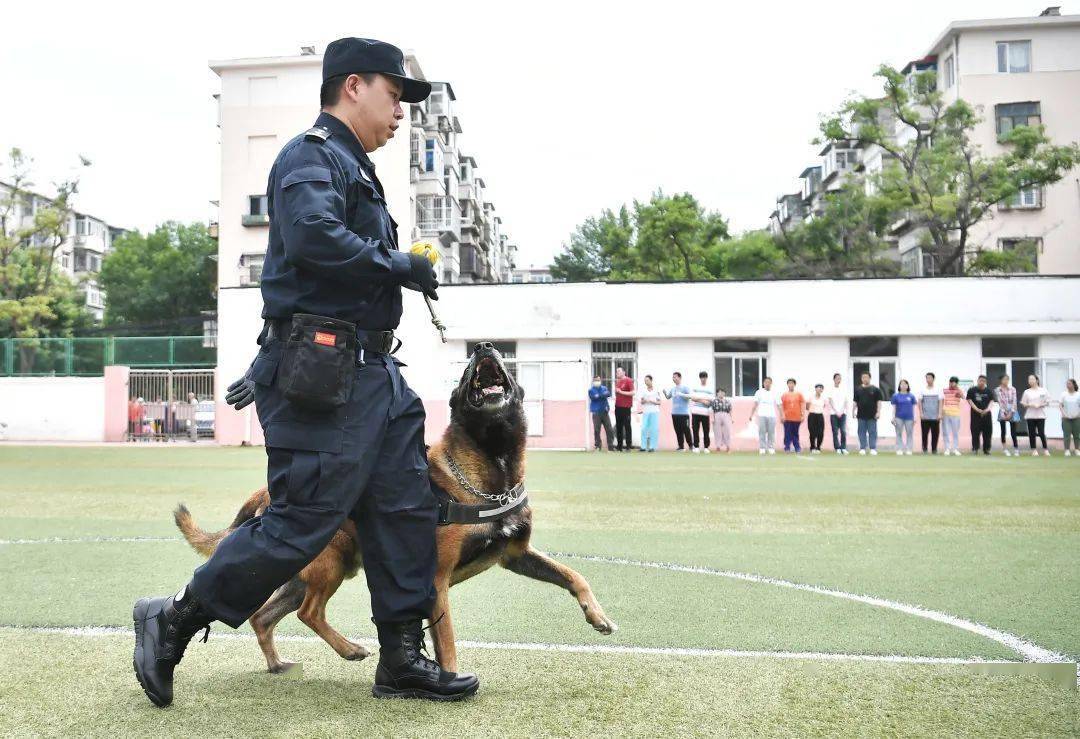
(95, 631)
(1029, 651)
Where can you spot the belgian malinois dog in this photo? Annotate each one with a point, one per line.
(480, 459)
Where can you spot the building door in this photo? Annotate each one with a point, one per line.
(530, 375)
(1055, 373)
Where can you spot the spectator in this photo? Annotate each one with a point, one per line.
(1008, 413)
(134, 411)
(1070, 418)
(867, 410)
(952, 398)
(598, 407)
(815, 418)
(904, 417)
(680, 410)
(700, 410)
(839, 404)
(982, 425)
(794, 405)
(721, 407)
(193, 425)
(765, 405)
(930, 413)
(650, 416)
(624, 405)
(1035, 399)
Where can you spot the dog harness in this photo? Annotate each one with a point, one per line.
(501, 505)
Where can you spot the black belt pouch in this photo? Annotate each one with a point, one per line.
(320, 355)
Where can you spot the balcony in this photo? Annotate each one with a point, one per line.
(254, 220)
(470, 264)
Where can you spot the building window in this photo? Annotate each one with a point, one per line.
(251, 268)
(414, 149)
(911, 262)
(84, 227)
(1014, 56)
(257, 205)
(740, 365)
(1011, 115)
(611, 354)
(948, 72)
(435, 103)
(1027, 246)
(877, 355)
(1016, 356)
(1028, 197)
(429, 155)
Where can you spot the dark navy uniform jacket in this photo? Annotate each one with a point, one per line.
(333, 245)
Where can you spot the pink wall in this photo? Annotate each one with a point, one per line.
(116, 402)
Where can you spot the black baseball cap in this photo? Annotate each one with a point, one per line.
(356, 55)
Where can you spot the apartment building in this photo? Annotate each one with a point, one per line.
(80, 256)
(433, 188)
(1013, 71)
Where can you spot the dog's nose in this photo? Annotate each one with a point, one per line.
(480, 346)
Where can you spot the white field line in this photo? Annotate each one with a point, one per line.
(1027, 650)
(92, 540)
(100, 631)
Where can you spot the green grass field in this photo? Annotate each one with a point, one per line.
(989, 540)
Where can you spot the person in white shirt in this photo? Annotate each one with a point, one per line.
(649, 400)
(1034, 401)
(701, 412)
(766, 403)
(1070, 418)
(837, 403)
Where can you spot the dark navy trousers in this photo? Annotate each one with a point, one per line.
(364, 460)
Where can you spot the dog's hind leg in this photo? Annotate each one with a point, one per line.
(313, 614)
(284, 601)
(537, 565)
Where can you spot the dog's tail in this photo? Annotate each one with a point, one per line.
(205, 542)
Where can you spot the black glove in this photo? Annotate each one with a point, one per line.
(241, 393)
(422, 277)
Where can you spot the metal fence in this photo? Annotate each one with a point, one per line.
(60, 357)
(170, 404)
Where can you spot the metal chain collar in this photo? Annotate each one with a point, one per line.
(500, 498)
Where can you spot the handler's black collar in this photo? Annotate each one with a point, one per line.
(451, 511)
(347, 137)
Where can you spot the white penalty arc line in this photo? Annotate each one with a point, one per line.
(105, 631)
(1027, 650)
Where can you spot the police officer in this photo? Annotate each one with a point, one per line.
(344, 432)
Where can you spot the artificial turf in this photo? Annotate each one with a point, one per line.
(989, 539)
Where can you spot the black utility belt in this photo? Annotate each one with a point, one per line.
(320, 356)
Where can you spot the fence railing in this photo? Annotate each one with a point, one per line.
(88, 357)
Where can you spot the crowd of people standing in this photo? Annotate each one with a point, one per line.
(698, 409)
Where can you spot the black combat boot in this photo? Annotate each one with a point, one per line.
(405, 672)
(162, 632)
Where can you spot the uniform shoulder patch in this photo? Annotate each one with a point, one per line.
(317, 133)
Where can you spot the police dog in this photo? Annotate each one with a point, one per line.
(486, 441)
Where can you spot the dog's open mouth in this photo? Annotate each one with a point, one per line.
(489, 384)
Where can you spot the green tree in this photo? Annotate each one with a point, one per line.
(35, 298)
(1022, 258)
(752, 255)
(161, 280)
(593, 246)
(940, 181)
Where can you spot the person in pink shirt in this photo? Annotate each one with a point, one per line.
(624, 405)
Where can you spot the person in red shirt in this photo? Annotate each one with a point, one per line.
(794, 405)
(624, 403)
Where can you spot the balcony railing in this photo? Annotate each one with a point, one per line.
(254, 220)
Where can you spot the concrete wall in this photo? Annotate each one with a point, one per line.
(52, 408)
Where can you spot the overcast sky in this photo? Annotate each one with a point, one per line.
(568, 107)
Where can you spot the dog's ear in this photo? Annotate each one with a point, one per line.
(520, 392)
(454, 397)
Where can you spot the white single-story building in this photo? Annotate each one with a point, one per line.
(559, 335)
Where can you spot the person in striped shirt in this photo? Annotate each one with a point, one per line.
(1008, 414)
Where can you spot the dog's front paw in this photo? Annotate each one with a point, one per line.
(606, 626)
(357, 652)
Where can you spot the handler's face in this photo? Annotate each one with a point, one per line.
(375, 109)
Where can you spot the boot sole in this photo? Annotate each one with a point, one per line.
(138, 615)
(384, 691)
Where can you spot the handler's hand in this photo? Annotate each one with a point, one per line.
(422, 277)
(241, 393)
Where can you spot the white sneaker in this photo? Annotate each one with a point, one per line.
(1068, 453)
(772, 451)
(862, 452)
(760, 451)
(1035, 452)
(1046, 452)
(706, 450)
(1006, 452)
(908, 452)
(697, 451)
(839, 451)
(873, 452)
(899, 452)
